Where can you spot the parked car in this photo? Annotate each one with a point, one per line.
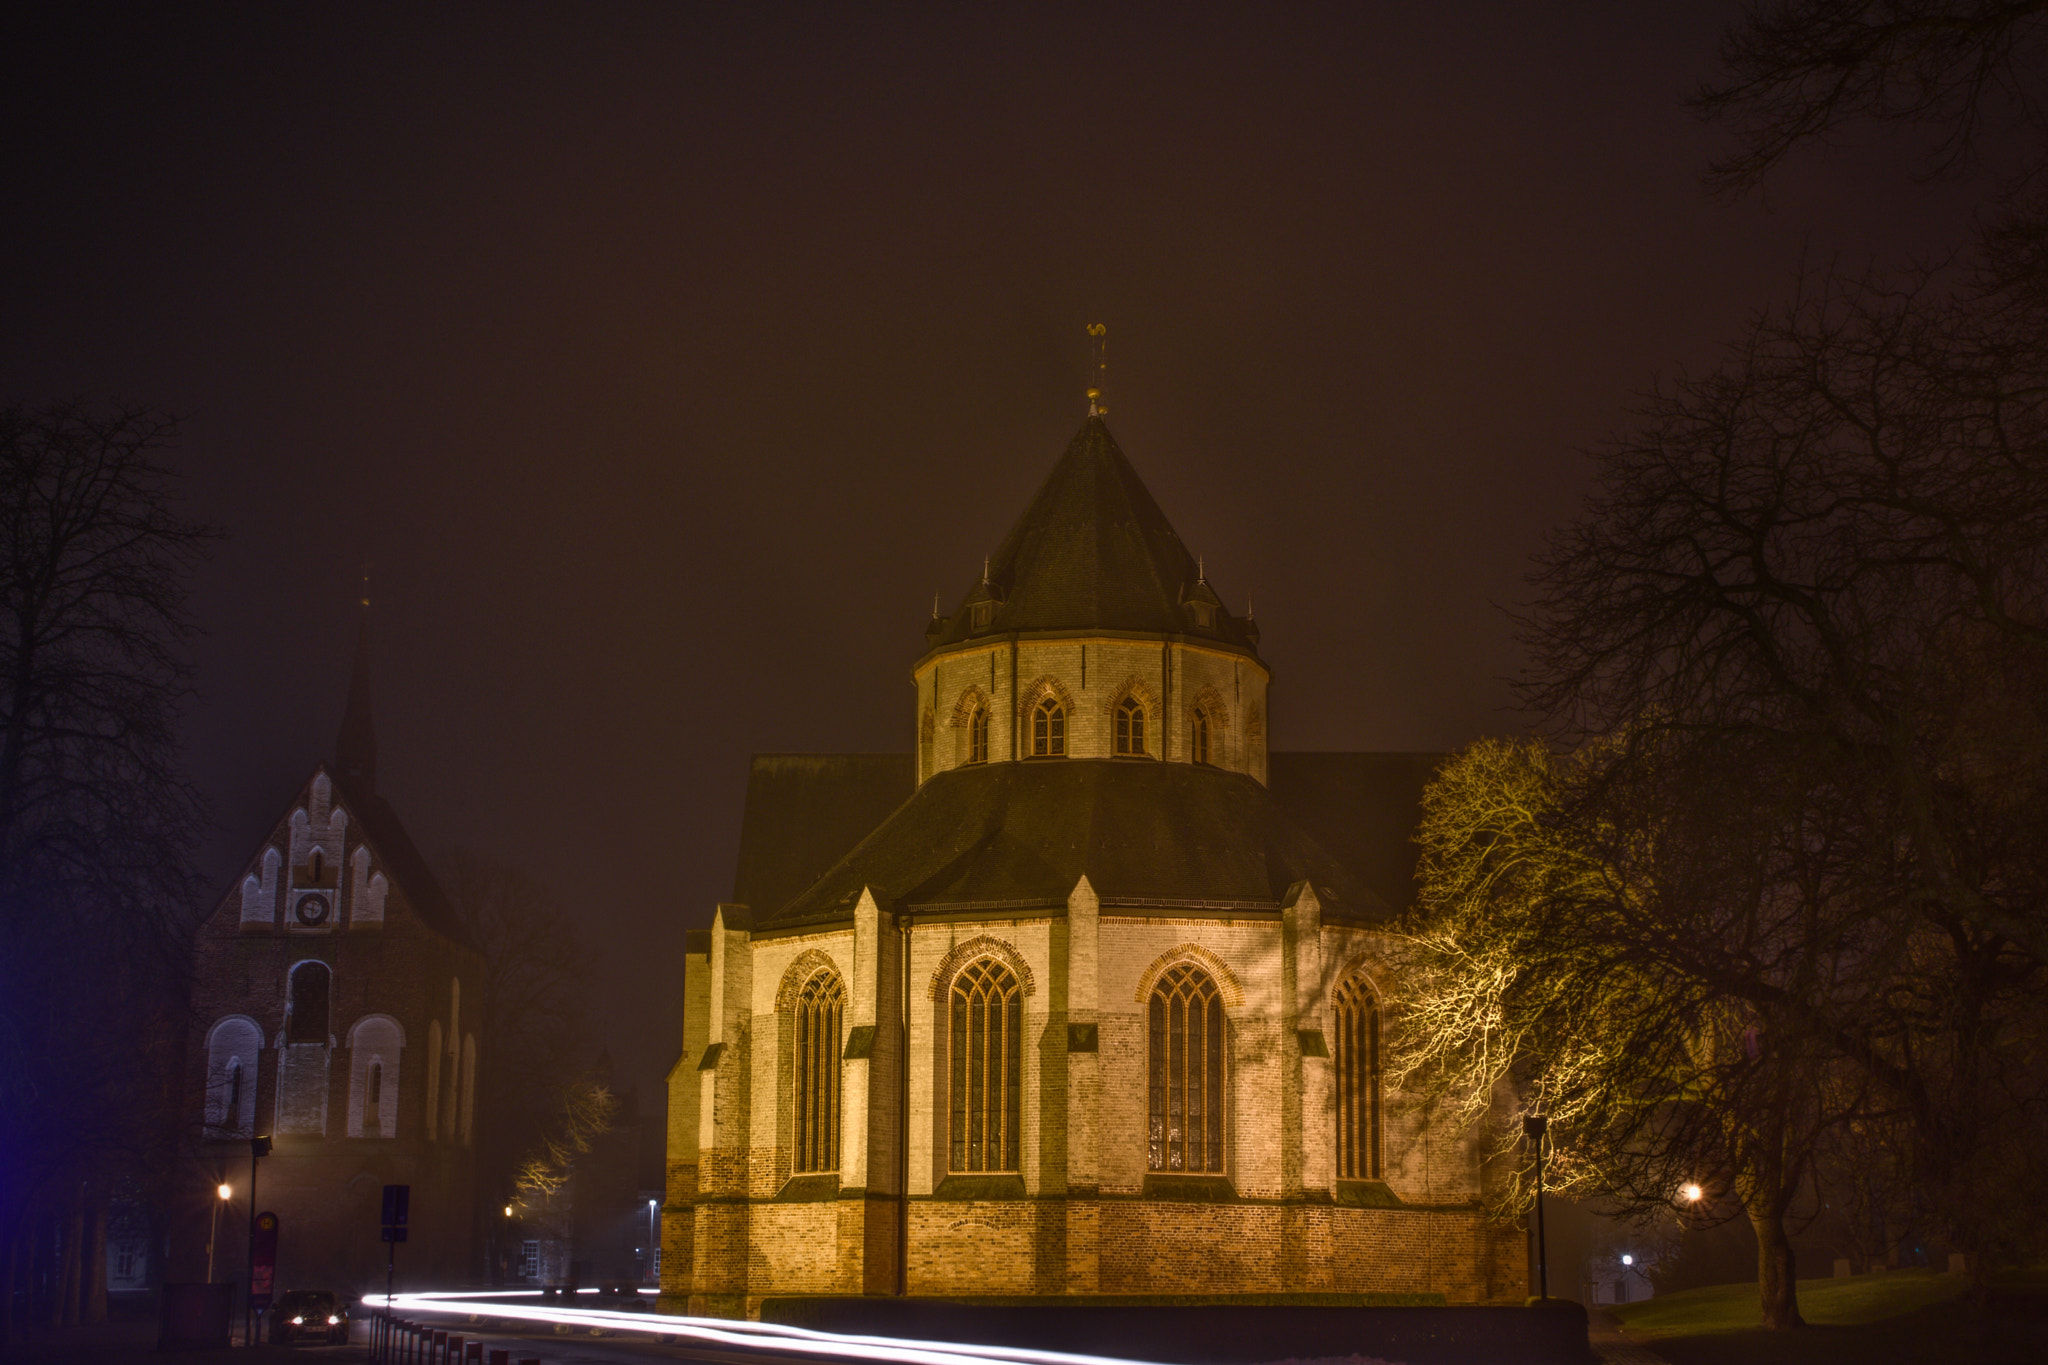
(308, 1315)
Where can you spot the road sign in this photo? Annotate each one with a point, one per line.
(397, 1203)
(263, 1263)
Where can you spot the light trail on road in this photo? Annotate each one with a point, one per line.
(732, 1332)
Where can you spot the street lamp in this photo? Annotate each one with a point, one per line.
(1691, 1193)
(1533, 1128)
(258, 1147)
(226, 1192)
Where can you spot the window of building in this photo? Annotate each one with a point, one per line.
(317, 865)
(373, 1099)
(984, 612)
(1130, 726)
(1199, 745)
(1357, 1064)
(1186, 1038)
(307, 1011)
(977, 736)
(1048, 729)
(232, 1047)
(987, 1066)
(820, 1009)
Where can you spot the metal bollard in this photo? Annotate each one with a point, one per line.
(473, 1351)
(438, 1348)
(454, 1349)
(501, 1358)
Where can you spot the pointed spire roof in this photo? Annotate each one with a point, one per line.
(355, 748)
(1094, 552)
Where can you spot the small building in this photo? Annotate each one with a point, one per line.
(1080, 996)
(328, 987)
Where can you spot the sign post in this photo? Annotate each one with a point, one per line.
(258, 1147)
(397, 1207)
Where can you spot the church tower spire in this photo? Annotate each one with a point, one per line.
(355, 748)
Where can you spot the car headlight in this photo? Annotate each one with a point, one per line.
(333, 1321)
(298, 1322)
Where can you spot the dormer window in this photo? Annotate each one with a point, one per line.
(1199, 740)
(984, 612)
(1203, 614)
(1049, 730)
(977, 736)
(1130, 727)
(317, 864)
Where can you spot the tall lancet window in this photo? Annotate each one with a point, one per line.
(1186, 1037)
(1358, 1081)
(1048, 729)
(977, 736)
(1130, 726)
(987, 1066)
(1200, 737)
(820, 1008)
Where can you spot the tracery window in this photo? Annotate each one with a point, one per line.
(1130, 726)
(977, 736)
(1186, 1037)
(308, 1009)
(1357, 1064)
(373, 1099)
(820, 1008)
(1048, 729)
(1200, 737)
(987, 1066)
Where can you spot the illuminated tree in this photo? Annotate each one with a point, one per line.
(1800, 638)
(1641, 983)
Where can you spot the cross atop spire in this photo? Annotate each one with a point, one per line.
(1098, 379)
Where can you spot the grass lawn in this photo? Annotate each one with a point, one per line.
(1903, 1316)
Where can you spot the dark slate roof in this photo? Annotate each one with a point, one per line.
(1364, 808)
(1010, 836)
(406, 867)
(1093, 552)
(805, 811)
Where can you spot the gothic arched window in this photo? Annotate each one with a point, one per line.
(308, 1008)
(977, 736)
(820, 1007)
(232, 1047)
(1048, 729)
(1357, 1064)
(1200, 745)
(987, 1066)
(1130, 726)
(1186, 1072)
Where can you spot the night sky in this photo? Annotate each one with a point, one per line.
(663, 360)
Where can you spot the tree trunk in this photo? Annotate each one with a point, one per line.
(70, 1260)
(10, 1266)
(94, 1300)
(1777, 1282)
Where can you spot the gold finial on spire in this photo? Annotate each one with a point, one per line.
(984, 571)
(935, 606)
(1098, 406)
(1201, 570)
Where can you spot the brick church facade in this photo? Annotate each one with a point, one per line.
(1082, 995)
(329, 1015)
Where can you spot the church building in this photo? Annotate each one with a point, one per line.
(329, 1016)
(1080, 997)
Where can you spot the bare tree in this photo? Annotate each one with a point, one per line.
(532, 1009)
(1799, 71)
(96, 816)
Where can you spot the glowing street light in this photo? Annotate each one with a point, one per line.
(226, 1192)
(1627, 1259)
(1691, 1193)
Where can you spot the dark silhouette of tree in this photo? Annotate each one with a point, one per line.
(1800, 71)
(96, 823)
(532, 1011)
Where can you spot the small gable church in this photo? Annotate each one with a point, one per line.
(329, 1016)
(1082, 995)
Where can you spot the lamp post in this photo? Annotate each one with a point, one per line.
(653, 1241)
(1533, 1128)
(258, 1147)
(224, 1192)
